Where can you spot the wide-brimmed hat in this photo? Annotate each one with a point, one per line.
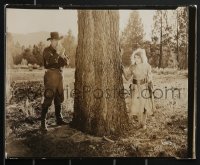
(54, 35)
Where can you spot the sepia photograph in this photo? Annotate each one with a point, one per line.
(96, 83)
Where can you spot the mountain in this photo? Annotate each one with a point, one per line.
(31, 38)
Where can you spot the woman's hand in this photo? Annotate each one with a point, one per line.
(122, 67)
(124, 73)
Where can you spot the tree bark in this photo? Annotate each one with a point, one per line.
(99, 104)
(160, 59)
(177, 40)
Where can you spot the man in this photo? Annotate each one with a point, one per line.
(54, 61)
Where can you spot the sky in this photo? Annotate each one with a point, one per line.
(34, 20)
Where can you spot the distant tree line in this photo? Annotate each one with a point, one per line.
(168, 47)
(33, 54)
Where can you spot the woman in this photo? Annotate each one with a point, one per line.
(141, 86)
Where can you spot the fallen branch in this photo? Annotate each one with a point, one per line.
(74, 134)
(107, 139)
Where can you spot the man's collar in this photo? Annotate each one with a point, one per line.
(52, 48)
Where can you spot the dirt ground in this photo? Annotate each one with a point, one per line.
(166, 134)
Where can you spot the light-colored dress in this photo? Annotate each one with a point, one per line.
(141, 98)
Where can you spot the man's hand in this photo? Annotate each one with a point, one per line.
(65, 57)
(61, 52)
(60, 49)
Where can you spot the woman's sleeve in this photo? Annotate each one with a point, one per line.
(128, 73)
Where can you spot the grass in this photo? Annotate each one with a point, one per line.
(166, 134)
(169, 71)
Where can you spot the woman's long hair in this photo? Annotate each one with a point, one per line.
(139, 52)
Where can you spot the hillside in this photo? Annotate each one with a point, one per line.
(31, 38)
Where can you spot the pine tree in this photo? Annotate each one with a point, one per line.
(182, 37)
(162, 37)
(70, 44)
(38, 53)
(157, 35)
(132, 36)
(97, 108)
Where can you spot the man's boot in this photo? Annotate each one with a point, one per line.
(43, 120)
(59, 118)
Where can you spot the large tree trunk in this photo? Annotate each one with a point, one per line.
(161, 51)
(177, 31)
(99, 107)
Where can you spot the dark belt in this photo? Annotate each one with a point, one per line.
(143, 81)
(56, 69)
